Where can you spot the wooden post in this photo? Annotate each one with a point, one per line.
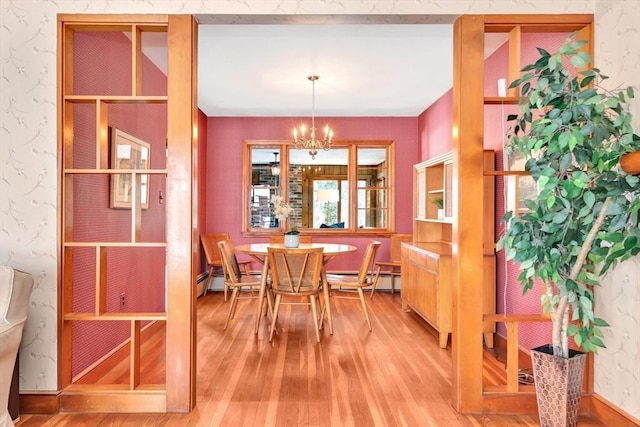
(181, 212)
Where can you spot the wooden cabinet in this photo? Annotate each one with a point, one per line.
(426, 262)
(426, 284)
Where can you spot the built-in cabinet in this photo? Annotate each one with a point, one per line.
(426, 262)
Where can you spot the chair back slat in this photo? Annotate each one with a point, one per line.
(230, 265)
(368, 268)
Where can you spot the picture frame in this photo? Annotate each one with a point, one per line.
(129, 152)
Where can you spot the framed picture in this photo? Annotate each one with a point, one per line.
(129, 152)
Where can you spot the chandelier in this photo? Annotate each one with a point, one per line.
(312, 143)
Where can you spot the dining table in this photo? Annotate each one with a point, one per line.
(258, 251)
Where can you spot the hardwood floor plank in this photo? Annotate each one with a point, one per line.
(394, 375)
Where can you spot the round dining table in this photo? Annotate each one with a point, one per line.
(259, 252)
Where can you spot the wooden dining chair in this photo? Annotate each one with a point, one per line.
(212, 253)
(367, 277)
(235, 280)
(392, 266)
(295, 273)
(279, 238)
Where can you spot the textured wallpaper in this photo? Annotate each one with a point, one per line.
(28, 163)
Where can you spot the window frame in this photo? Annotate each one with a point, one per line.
(352, 147)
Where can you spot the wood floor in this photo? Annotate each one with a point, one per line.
(395, 375)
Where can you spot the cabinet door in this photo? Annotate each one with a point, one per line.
(426, 298)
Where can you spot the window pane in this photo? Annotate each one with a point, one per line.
(307, 176)
(372, 188)
(265, 181)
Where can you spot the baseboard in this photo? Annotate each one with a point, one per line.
(384, 282)
(609, 414)
(45, 403)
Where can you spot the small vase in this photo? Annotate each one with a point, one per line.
(291, 240)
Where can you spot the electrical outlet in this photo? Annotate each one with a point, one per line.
(123, 301)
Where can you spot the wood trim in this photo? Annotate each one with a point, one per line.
(467, 295)
(114, 401)
(610, 415)
(181, 210)
(106, 22)
(39, 403)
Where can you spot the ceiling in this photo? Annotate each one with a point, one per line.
(364, 70)
(368, 65)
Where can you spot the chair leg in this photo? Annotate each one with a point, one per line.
(394, 273)
(314, 310)
(275, 316)
(232, 309)
(364, 307)
(373, 288)
(209, 280)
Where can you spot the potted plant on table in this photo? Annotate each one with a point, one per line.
(282, 211)
(585, 216)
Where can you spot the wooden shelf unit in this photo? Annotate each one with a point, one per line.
(426, 262)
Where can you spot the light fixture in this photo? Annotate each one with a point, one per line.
(312, 144)
(275, 166)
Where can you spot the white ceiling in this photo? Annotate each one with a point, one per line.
(364, 70)
(382, 65)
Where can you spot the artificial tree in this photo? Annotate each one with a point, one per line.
(585, 217)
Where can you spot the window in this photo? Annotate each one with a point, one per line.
(347, 188)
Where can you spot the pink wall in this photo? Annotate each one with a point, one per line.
(435, 127)
(224, 169)
(102, 65)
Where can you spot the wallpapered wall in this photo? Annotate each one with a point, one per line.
(28, 159)
(102, 65)
(224, 169)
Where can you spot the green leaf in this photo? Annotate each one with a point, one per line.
(589, 198)
(550, 201)
(600, 322)
(586, 81)
(579, 61)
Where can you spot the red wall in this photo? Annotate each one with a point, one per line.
(224, 169)
(102, 65)
(435, 128)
